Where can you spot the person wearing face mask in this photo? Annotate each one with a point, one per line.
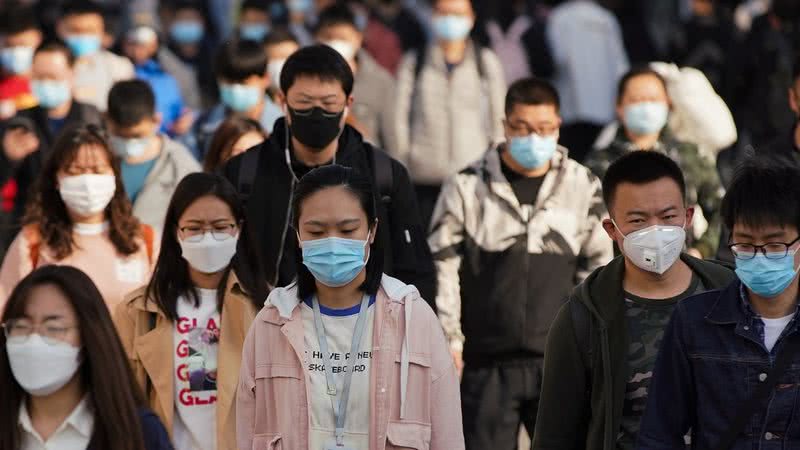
(79, 215)
(27, 139)
(371, 113)
(254, 20)
(233, 137)
(279, 45)
(747, 332)
(59, 354)
(301, 17)
(317, 84)
(152, 164)
(241, 68)
(643, 108)
(81, 26)
(498, 223)
(345, 357)
(189, 37)
(603, 343)
(20, 35)
(449, 103)
(184, 330)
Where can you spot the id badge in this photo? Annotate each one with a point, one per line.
(130, 271)
(331, 445)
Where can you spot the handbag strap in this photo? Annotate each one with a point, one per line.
(761, 393)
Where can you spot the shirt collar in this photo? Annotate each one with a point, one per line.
(81, 419)
(748, 307)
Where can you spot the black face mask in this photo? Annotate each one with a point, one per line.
(315, 127)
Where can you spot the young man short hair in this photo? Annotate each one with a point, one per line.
(603, 343)
(718, 372)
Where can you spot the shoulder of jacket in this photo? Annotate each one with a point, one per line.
(136, 299)
(180, 154)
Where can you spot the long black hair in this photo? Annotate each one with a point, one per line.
(361, 187)
(104, 373)
(171, 275)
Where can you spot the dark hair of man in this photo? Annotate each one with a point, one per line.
(361, 187)
(130, 102)
(56, 46)
(637, 72)
(104, 373)
(238, 60)
(16, 18)
(764, 192)
(228, 132)
(531, 91)
(318, 61)
(171, 279)
(334, 15)
(640, 167)
(81, 7)
(47, 210)
(258, 5)
(279, 35)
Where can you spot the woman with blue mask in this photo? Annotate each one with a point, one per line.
(363, 351)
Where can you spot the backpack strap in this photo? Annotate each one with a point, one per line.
(34, 238)
(149, 236)
(248, 167)
(382, 171)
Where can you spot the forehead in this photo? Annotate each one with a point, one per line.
(338, 29)
(88, 155)
(281, 50)
(85, 19)
(50, 58)
(774, 233)
(331, 205)
(649, 197)
(454, 6)
(207, 207)
(188, 14)
(533, 113)
(309, 85)
(254, 15)
(644, 84)
(48, 300)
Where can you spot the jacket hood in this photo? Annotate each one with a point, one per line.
(350, 141)
(601, 289)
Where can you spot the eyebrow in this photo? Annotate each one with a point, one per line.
(658, 213)
(311, 97)
(340, 223)
(221, 219)
(776, 235)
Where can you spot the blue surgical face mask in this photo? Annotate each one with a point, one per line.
(129, 148)
(186, 32)
(51, 93)
(334, 261)
(253, 31)
(646, 117)
(16, 60)
(299, 6)
(83, 44)
(767, 277)
(533, 151)
(240, 97)
(452, 27)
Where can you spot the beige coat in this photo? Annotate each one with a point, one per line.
(150, 353)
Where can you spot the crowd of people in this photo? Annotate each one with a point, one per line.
(399, 224)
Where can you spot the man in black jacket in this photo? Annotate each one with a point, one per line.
(27, 137)
(317, 83)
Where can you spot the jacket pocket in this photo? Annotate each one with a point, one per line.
(269, 441)
(408, 435)
(279, 396)
(419, 385)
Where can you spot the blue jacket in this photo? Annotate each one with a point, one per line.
(168, 94)
(711, 360)
(154, 433)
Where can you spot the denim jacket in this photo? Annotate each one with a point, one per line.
(711, 360)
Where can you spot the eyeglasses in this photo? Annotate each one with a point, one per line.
(21, 329)
(218, 232)
(771, 250)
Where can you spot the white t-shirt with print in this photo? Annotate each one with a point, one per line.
(196, 343)
(339, 328)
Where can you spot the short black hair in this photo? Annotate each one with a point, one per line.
(360, 186)
(637, 72)
(640, 167)
(260, 5)
(238, 60)
(57, 46)
(336, 14)
(80, 7)
(531, 91)
(16, 18)
(130, 102)
(318, 61)
(279, 35)
(764, 191)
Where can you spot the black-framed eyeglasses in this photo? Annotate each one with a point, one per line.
(770, 250)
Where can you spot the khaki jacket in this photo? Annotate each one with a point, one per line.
(150, 353)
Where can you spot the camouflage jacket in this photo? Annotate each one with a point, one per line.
(504, 269)
(703, 187)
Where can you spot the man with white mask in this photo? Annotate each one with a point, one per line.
(371, 114)
(603, 343)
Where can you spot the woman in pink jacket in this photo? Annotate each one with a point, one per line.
(345, 358)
